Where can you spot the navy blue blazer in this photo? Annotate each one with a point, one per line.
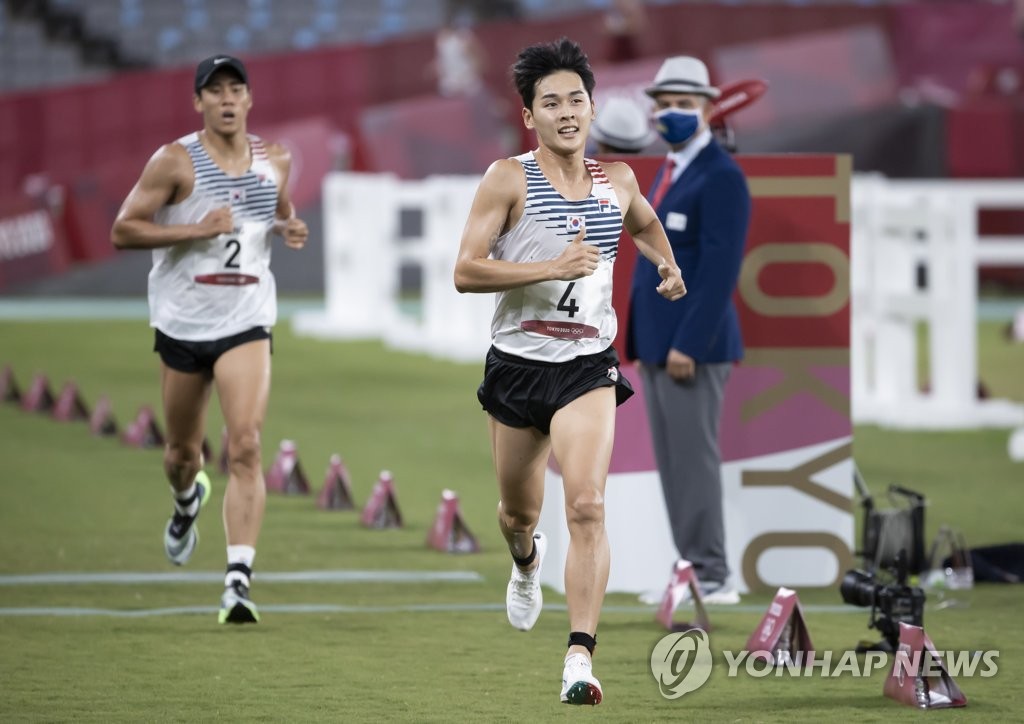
(711, 202)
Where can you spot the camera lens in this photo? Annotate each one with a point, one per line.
(857, 588)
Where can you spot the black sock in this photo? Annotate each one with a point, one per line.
(525, 562)
(578, 638)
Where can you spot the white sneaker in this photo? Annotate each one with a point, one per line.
(236, 606)
(524, 599)
(711, 592)
(721, 594)
(578, 683)
(181, 534)
(651, 598)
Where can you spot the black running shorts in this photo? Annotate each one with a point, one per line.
(201, 356)
(522, 392)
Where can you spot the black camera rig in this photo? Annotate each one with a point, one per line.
(891, 603)
(893, 548)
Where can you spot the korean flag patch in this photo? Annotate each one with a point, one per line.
(573, 224)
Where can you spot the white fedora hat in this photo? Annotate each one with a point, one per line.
(683, 74)
(623, 124)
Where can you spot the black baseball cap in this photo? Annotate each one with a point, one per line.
(206, 69)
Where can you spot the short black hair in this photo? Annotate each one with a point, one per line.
(541, 60)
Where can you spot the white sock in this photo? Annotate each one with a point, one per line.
(243, 555)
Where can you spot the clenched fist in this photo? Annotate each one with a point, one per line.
(294, 232)
(218, 221)
(672, 286)
(578, 259)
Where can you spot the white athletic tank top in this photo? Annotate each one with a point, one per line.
(217, 287)
(557, 321)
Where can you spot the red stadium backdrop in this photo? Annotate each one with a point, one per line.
(92, 140)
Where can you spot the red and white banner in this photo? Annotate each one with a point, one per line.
(31, 243)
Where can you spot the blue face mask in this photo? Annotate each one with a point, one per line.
(677, 125)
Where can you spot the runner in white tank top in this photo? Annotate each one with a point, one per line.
(206, 205)
(217, 287)
(542, 233)
(556, 321)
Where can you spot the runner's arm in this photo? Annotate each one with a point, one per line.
(134, 227)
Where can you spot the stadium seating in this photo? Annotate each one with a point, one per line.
(136, 33)
(160, 34)
(29, 59)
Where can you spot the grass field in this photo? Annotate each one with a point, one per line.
(378, 651)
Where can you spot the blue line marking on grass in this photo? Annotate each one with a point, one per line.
(134, 579)
(112, 308)
(316, 608)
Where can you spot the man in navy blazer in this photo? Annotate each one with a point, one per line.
(687, 348)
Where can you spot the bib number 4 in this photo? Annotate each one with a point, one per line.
(567, 304)
(567, 310)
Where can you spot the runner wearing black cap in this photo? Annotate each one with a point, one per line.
(207, 206)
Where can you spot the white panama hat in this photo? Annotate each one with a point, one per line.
(683, 74)
(623, 124)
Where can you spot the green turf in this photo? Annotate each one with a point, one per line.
(73, 502)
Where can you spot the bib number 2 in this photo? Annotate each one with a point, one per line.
(234, 246)
(233, 259)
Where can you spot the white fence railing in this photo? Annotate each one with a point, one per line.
(374, 226)
(915, 252)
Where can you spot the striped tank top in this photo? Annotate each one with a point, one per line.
(556, 321)
(214, 288)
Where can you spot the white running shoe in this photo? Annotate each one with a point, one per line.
(711, 592)
(181, 534)
(524, 599)
(578, 683)
(718, 593)
(651, 598)
(236, 606)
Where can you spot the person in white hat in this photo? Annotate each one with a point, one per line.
(683, 74)
(686, 350)
(621, 126)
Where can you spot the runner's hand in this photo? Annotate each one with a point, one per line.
(294, 232)
(218, 221)
(578, 259)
